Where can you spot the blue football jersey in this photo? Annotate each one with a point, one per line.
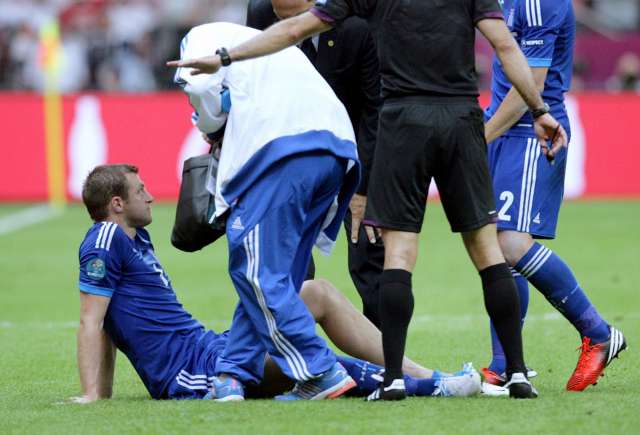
(144, 318)
(545, 32)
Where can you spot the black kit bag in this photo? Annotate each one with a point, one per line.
(196, 225)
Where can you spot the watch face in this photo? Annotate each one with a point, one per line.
(225, 59)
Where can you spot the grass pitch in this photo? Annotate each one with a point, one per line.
(39, 310)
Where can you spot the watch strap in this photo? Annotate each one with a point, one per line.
(225, 59)
(537, 113)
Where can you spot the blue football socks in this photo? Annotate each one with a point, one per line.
(554, 279)
(498, 361)
(363, 373)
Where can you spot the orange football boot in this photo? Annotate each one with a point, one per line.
(593, 360)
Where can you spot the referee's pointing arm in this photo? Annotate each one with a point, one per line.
(281, 35)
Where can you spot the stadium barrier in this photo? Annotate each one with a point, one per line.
(153, 131)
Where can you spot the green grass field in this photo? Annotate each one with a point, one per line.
(39, 310)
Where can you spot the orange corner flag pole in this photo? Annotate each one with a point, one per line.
(54, 136)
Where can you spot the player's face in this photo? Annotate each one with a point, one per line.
(290, 8)
(137, 208)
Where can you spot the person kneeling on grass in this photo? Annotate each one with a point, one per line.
(127, 302)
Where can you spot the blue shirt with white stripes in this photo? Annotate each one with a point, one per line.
(144, 319)
(545, 32)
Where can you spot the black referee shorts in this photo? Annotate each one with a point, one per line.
(420, 138)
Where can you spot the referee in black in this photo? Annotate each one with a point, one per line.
(346, 58)
(430, 127)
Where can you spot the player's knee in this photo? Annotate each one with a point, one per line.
(401, 249)
(509, 252)
(326, 292)
(402, 257)
(482, 246)
(514, 245)
(316, 295)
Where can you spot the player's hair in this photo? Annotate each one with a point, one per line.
(102, 184)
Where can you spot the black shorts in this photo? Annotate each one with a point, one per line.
(424, 137)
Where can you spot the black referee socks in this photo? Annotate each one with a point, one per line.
(502, 303)
(395, 310)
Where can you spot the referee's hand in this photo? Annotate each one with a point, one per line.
(357, 207)
(201, 65)
(551, 135)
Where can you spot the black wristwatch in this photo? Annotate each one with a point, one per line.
(537, 113)
(225, 59)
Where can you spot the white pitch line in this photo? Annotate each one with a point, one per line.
(27, 217)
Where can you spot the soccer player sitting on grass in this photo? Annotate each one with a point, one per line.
(127, 302)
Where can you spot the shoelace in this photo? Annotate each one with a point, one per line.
(586, 353)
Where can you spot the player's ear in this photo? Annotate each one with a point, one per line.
(116, 204)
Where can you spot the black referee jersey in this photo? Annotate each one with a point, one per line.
(425, 47)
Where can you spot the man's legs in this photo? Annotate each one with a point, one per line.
(366, 374)
(246, 366)
(347, 328)
(548, 273)
(366, 261)
(279, 216)
(419, 140)
(554, 279)
(464, 183)
(271, 316)
(529, 193)
(355, 335)
(500, 293)
(396, 301)
(463, 383)
(396, 203)
(498, 360)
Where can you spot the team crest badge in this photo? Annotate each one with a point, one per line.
(96, 269)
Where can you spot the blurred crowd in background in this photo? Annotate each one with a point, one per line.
(109, 45)
(122, 45)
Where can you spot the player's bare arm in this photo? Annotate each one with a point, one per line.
(512, 108)
(517, 70)
(277, 37)
(96, 352)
